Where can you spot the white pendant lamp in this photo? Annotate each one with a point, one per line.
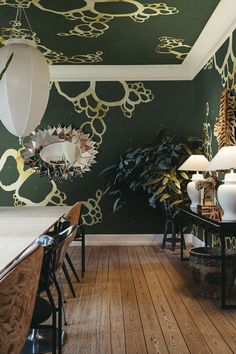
(24, 88)
(195, 163)
(225, 159)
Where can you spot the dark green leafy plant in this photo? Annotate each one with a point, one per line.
(153, 168)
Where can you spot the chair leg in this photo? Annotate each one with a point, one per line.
(72, 266)
(68, 279)
(63, 301)
(165, 234)
(82, 239)
(54, 322)
(184, 244)
(59, 309)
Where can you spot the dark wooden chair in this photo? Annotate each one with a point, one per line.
(171, 226)
(74, 216)
(47, 338)
(18, 288)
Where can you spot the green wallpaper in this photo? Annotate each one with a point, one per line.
(118, 115)
(112, 31)
(219, 72)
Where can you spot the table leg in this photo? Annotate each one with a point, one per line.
(223, 280)
(222, 272)
(206, 238)
(182, 241)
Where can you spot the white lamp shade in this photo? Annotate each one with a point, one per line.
(225, 159)
(195, 163)
(59, 152)
(24, 88)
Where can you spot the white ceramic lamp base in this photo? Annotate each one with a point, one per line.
(227, 197)
(193, 193)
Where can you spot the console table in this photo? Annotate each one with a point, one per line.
(223, 229)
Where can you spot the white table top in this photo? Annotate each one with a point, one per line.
(20, 226)
(33, 211)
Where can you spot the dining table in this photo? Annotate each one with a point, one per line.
(21, 225)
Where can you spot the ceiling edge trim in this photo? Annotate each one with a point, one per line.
(218, 28)
(117, 72)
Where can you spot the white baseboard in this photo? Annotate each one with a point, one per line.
(130, 239)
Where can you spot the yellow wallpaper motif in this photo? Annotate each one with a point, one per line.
(230, 242)
(174, 46)
(227, 69)
(95, 23)
(207, 135)
(96, 109)
(134, 94)
(16, 3)
(227, 72)
(52, 56)
(93, 213)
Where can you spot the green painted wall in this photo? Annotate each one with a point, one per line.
(220, 72)
(130, 115)
(167, 103)
(112, 32)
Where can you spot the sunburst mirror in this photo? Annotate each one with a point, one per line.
(60, 153)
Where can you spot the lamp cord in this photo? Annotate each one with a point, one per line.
(17, 22)
(27, 20)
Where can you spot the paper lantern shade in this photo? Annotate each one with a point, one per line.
(24, 88)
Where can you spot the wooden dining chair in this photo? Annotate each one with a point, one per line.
(18, 288)
(48, 337)
(74, 217)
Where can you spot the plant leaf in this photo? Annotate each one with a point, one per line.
(164, 197)
(176, 202)
(160, 190)
(184, 175)
(165, 181)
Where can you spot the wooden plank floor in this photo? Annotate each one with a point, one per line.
(142, 300)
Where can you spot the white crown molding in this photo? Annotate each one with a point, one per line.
(117, 72)
(220, 25)
(218, 28)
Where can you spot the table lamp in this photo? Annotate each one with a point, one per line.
(225, 159)
(195, 163)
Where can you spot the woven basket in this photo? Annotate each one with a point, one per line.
(205, 266)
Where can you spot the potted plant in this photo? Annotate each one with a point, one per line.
(154, 169)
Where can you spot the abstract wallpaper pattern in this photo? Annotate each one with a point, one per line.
(96, 112)
(104, 117)
(226, 69)
(134, 94)
(110, 31)
(223, 64)
(52, 56)
(95, 23)
(173, 46)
